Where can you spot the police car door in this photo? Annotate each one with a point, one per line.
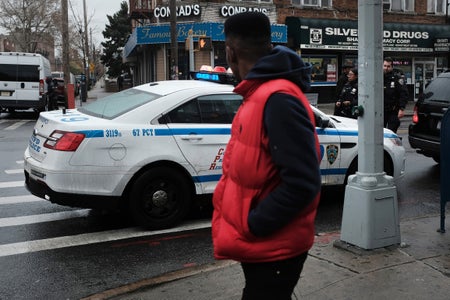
(330, 149)
(201, 128)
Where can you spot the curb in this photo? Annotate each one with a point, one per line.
(163, 279)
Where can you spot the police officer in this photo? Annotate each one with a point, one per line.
(395, 96)
(348, 97)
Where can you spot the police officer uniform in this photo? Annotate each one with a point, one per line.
(349, 93)
(395, 99)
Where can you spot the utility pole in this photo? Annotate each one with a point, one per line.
(86, 47)
(370, 216)
(65, 44)
(173, 40)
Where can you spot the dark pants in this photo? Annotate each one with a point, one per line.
(272, 280)
(391, 120)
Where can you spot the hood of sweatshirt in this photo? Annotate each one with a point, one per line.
(283, 63)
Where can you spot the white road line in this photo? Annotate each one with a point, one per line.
(33, 219)
(19, 199)
(92, 238)
(19, 162)
(10, 184)
(15, 125)
(14, 171)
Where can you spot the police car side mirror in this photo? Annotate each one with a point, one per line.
(322, 121)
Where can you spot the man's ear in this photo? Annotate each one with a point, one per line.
(231, 55)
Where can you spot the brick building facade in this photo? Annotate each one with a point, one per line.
(323, 32)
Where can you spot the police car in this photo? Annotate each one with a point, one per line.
(153, 148)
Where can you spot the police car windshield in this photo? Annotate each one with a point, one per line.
(117, 104)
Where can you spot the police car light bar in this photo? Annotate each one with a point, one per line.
(218, 74)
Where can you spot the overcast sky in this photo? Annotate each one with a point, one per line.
(96, 13)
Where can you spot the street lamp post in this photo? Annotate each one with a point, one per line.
(370, 215)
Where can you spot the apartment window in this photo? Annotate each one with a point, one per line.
(256, 1)
(436, 6)
(313, 3)
(398, 5)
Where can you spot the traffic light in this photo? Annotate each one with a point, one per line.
(204, 43)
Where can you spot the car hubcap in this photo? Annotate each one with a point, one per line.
(159, 198)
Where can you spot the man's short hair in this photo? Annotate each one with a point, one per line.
(389, 60)
(253, 26)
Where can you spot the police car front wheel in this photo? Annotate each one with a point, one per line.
(160, 198)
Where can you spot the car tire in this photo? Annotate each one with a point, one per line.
(160, 198)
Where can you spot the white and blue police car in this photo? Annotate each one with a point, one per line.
(153, 148)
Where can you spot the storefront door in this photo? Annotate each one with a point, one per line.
(424, 72)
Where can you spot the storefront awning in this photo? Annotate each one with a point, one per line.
(160, 34)
(343, 35)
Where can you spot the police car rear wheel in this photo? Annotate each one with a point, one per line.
(160, 198)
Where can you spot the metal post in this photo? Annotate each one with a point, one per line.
(191, 50)
(370, 216)
(86, 46)
(173, 40)
(65, 46)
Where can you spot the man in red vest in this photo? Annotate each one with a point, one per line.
(266, 200)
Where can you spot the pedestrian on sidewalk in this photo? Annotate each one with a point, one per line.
(266, 200)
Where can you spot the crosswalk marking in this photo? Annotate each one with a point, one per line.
(33, 219)
(92, 238)
(15, 125)
(14, 171)
(19, 199)
(11, 184)
(68, 241)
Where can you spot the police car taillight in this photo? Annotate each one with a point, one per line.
(64, 141)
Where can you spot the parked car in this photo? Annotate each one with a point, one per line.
(60, 75)
(424, 132)
(153, 148)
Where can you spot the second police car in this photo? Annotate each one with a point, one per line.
(153, 148)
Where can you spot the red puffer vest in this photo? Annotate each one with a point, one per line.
(248, 176)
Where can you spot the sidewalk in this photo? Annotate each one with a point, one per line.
(419, 268)
(97, 92)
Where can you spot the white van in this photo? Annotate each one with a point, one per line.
(23, 81)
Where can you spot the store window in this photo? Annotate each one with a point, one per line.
(436, 6)
(313, 3)
(441, 64)
(324, 68)
(403, 67)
